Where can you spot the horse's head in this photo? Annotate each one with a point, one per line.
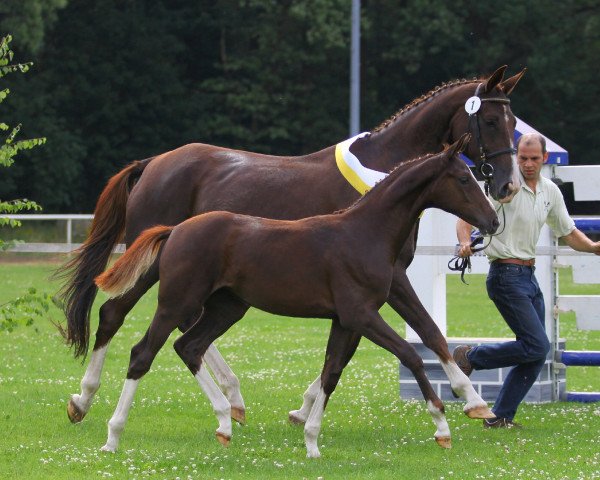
(485, 113)
(457, 191)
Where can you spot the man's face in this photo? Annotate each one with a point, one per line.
(531, 159)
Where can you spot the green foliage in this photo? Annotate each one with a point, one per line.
(28, 20)
(10, 147)
(24, 309)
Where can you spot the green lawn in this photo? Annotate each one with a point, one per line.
(368, 432)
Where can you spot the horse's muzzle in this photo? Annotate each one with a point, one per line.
(491, 228)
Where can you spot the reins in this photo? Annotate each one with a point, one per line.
(462, 264)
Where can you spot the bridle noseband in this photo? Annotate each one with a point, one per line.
(485, 168)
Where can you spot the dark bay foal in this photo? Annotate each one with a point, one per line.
(338, 266)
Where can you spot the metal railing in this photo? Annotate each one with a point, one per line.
(590, 225)
(68, 217)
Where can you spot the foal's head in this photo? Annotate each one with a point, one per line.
(456, 191)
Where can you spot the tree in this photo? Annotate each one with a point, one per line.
(11, 146)
(119, 81)
(23, 309)
(28, 20)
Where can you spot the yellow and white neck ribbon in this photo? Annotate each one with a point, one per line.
(359, 176)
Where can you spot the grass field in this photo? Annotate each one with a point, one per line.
(368, 432)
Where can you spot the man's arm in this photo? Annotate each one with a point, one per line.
(463, 233)
(579, 241)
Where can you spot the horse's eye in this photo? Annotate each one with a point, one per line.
(491, 122)
(463, 180)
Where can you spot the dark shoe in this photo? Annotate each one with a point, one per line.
(460, 357)
(500, 423)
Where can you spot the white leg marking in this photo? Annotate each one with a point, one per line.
(463, 387)
(227, 380)
(90, 382)
(443, 430)
(220, 404)
(313, 426)
(300, 416)
(117, 423)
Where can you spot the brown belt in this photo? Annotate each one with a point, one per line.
(516, 261)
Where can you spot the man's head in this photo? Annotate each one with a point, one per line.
(531, 155)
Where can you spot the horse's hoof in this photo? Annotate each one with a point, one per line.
(108, 449)
(444, 442)
(482, 411)
(223, 439)
(239, 415)
(74, 412)
(295, 420)
(314, 453)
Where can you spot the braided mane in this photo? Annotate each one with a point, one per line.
(423, 98)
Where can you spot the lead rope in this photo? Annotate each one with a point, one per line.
(462, 264)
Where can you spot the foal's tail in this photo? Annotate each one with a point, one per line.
(79, 291)
(134, 263)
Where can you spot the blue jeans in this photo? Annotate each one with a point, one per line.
(517, 296)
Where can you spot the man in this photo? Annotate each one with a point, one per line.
(511, 283)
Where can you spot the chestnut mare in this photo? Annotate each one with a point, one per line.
(338, 266)
(199, 178)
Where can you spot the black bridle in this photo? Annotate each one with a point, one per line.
(485, 168)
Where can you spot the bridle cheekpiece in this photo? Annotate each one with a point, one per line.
(472, 106)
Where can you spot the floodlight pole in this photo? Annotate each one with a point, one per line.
(355, 70)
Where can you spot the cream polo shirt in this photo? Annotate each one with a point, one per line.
(525, 216)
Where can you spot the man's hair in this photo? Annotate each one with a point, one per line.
(530, 138)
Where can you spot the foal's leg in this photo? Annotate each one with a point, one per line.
(369, 324)
(228, 382)
(142, 355)
(112, 315)
(192, 347)
(300, 416)
(310, 395)
(224, 305)
(403, 299)
(341, 346)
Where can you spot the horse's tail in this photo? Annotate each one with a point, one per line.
(108, 226)
(134, 263)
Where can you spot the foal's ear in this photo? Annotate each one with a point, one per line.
(460, 145)
(495, 79)
(508, 85)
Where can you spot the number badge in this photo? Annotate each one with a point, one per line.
(472, 105)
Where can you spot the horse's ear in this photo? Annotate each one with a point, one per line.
(495, 79)
(508, 85)
(460, 145)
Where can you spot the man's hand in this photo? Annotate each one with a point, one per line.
(464, 250)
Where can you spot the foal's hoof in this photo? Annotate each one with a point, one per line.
(444, 442)
(239, 415)
(74, 412)
(482, 411)
(223, 439)
(295, 419)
